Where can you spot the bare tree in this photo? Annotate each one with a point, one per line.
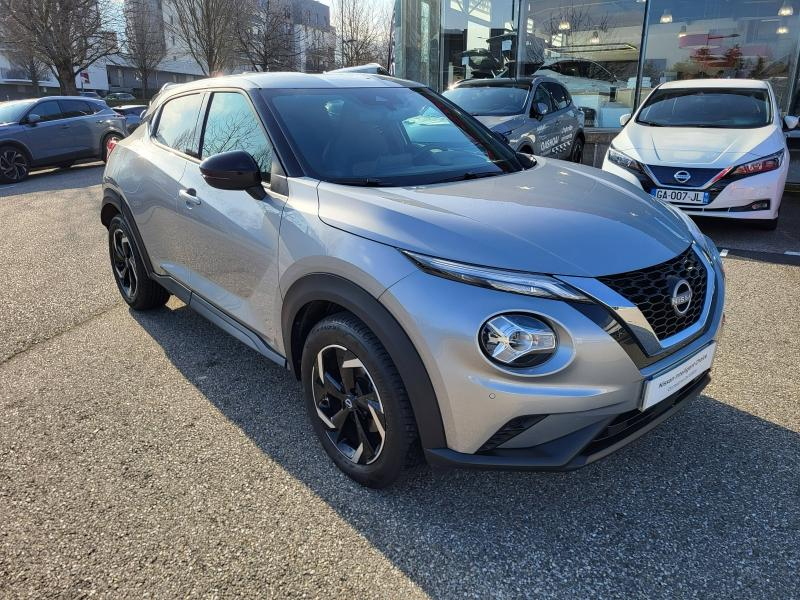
(144, 46)
(361, 27)
(68, 35)
(207, 29)
(266, 37)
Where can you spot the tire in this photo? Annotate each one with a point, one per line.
(526, 150)
(107, 140)
(765, 224)
(352, 405)
(136, 288)
(14, 164)
(576, 154)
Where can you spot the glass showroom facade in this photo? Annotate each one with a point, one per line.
(608, 53)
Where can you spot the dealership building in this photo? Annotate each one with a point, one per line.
(608, 53)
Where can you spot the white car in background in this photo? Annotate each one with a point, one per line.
(713, 147)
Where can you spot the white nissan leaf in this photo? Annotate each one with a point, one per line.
(713, 147)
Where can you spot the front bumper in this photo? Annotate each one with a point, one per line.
(729, 199)
(556, 411)
(576, 449)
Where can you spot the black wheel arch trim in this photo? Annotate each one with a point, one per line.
(324, 287)
(115, 200)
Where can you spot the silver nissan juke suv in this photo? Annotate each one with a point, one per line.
(440, 297)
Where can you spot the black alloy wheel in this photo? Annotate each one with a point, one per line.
(348, 405)
(14, 165)
(124, 264)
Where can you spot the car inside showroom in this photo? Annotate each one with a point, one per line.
(609, 54)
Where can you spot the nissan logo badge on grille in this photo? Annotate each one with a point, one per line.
(681, 297)
(682, 176)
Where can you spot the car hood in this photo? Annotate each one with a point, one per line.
(557, 218)
(693, 146)
(502, 123)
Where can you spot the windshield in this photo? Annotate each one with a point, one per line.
(713, 108)
(387, 136)
(11, 112)
(491, 100)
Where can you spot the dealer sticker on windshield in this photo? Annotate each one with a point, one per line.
(681, 196)
(666, 384)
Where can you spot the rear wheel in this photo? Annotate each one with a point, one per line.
(14, 164)
(357, 402)
(137, 289)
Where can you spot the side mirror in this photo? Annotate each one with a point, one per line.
(623, 120)
(235, 170)
(540, 109)
(33, 119)
(790, 122)
(527, 160)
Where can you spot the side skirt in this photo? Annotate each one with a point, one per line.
(220, 318)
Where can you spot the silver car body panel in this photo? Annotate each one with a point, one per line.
(241, 258)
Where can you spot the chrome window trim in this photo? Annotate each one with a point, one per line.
(630, 314)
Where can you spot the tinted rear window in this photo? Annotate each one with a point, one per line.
(712, 108)
(177, 125)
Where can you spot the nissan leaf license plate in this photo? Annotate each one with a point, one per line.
(664, 385)
(681, 196)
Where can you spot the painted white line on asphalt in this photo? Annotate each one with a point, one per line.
(792, 253)
(723, 253)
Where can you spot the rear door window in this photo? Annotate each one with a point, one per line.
(177, 124)
(76, 108)
(232, 125)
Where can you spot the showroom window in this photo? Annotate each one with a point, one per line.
(417, 34)
(479, 39)
(592, 48)
(690, 39)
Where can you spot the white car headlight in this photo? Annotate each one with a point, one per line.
(623, 160)
(528, 284)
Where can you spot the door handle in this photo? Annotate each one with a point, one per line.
(190, 197)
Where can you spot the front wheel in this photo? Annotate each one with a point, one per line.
(14, 165)
(576, 154)
(357, 402)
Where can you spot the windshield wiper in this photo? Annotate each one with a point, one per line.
(360, 181)
(650, 123)
(470, 175)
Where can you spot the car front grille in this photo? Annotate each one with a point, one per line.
(651, 290)
(697, 177)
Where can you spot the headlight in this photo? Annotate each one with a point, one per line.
(517, 340)
(762, 165)
(623, 160)
(529, 284)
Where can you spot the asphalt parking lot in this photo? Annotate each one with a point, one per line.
(153, 455)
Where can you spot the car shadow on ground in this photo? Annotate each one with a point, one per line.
(54, 179)
(688, 497)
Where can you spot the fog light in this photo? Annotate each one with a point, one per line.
(517, 340)
(760, 205)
